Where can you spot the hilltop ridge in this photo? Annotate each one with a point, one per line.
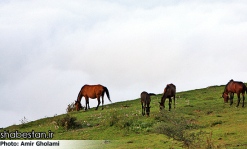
(199, 114)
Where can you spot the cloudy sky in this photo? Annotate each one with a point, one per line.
(50, 49)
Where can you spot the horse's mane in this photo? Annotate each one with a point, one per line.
(80, 94)
(228, 84)
(229, 81)
(167, 86)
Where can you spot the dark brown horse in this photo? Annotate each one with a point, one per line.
(145, 101)
(234, 87)
(169, 92)
(91, 91)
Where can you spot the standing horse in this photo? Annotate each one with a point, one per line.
(169, 92)
(91, 91)
(145, 101)
(234, 87)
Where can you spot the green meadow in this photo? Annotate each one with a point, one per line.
(200, 120)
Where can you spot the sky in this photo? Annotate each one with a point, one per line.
(50, 49)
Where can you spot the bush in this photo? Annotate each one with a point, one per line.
(24, 123)
(68, 122)
(70, 108)
(24, 120)
(176, 127)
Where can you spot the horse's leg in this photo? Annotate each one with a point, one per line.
(148, 105)
(174, 101)
(238, 99)
(102, 101)
(243, 100)
(87, 103)
(142, 109)
(231, 98)
(98, 98)
(170, 103)
(164, 103)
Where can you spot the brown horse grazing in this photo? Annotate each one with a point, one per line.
(92, 91)
(234, 87)
(145, 101)
(169, 92)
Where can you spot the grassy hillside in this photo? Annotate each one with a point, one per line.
(200, 120)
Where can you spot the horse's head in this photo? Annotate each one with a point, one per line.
(148, 110)
(78, 105)
(225, 96)
(161, 105)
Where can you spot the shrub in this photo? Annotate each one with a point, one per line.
(70, 108)
(176, 127)
(24, 120)
(68, 122)
(24, 123)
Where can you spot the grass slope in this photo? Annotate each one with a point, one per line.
(200, 120)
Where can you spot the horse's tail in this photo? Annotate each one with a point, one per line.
(107, 93)
(245, 88)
